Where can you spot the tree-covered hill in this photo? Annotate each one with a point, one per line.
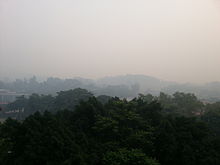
(112, 131)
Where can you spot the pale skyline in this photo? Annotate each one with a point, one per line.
(175, 40)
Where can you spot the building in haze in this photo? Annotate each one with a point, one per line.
(7, 96)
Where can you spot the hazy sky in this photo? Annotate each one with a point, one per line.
(175, 40)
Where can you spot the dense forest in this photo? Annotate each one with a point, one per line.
(75, 127)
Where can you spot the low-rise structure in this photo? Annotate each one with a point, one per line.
(7, 96)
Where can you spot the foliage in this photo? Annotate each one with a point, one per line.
(79, 129)
(126, 157)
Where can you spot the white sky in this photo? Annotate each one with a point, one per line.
(176, 40)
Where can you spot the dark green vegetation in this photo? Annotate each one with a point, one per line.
(148, 130)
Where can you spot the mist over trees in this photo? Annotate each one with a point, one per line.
(127, 86)
(182, 104)
(132, 119)
(108, 123)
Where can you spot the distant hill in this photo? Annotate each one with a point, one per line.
(122, 86)
(145, 83)
(209, 91)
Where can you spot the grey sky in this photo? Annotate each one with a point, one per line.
(175, 40)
